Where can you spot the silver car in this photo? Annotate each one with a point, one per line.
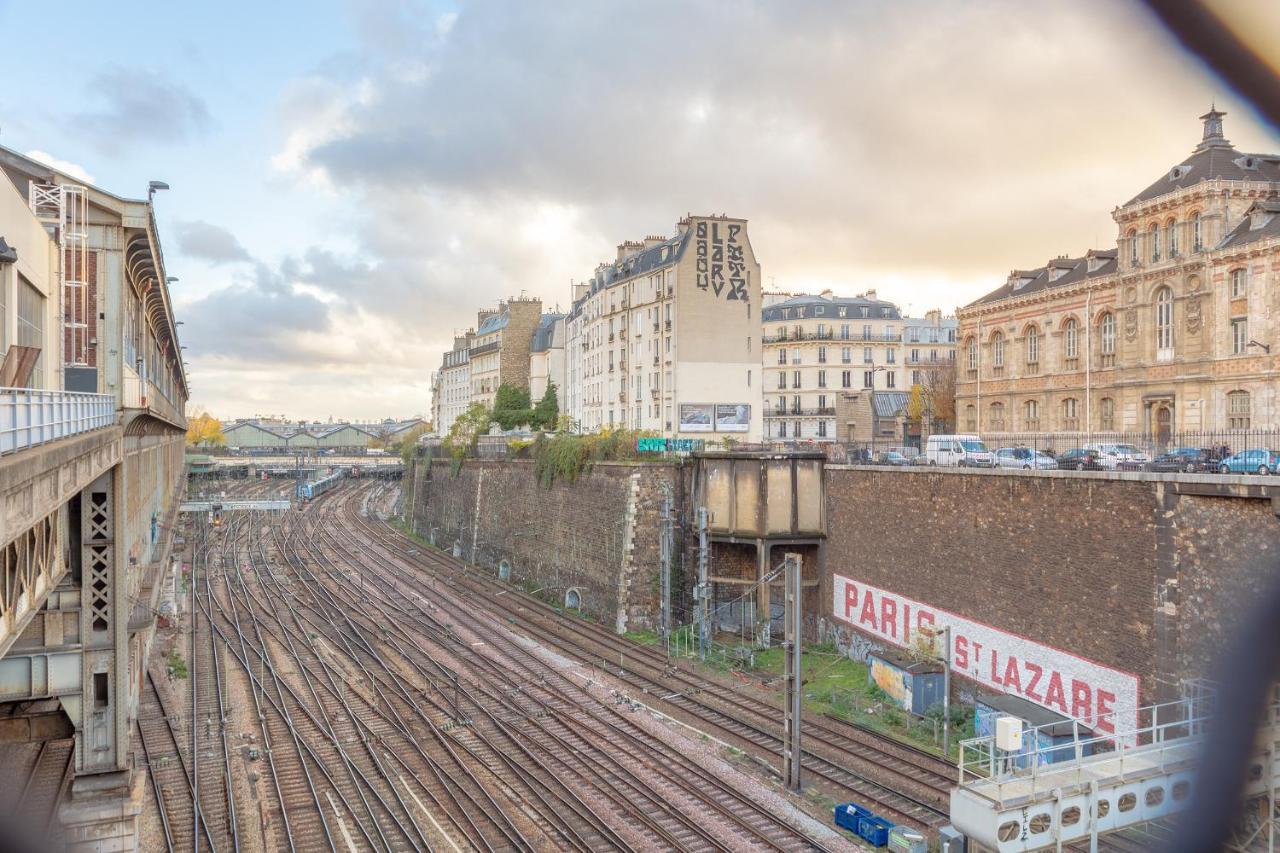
(1025, 458)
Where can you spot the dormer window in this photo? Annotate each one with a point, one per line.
(1177, 173)
(1247, 163)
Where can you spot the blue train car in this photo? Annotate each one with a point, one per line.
(313, 490)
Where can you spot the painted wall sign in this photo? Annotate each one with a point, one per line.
(1006, 663)
(721, 266)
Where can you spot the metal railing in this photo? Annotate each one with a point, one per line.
(31, 416)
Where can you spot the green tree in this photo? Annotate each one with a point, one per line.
(469, 426)
(511, 406)
(547, 412)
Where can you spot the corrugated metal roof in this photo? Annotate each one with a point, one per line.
(888, 404)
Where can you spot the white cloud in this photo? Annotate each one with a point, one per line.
(75, 170)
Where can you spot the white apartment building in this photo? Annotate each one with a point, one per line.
(452, 385)
(817, 347)
(667, 336)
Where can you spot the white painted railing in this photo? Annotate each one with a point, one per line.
(31, 416)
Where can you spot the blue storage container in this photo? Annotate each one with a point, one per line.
(848, 814)
(875, 830)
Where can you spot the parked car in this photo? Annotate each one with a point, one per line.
(1080, 459)
(962, 450)
(892, 457)
(911, 453)
(1186, 459)
(1025, 458)
(1256, 461)
(1120, 457)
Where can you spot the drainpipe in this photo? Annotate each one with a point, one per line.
(1088, 362)
(978, 343)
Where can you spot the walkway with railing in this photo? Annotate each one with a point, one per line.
(31, 416)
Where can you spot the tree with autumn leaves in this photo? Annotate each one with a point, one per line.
(204, 430)
(934, 398)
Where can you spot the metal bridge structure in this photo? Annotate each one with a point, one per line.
(1050, 791)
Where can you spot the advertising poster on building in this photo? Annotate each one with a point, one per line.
(1099, 696)
(696, 417)
(733, 417)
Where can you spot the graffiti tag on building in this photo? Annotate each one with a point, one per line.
(721, 265)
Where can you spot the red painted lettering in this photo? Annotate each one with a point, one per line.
(868, 616)
(922, 617)
(1036, 671)
(889, 616)
(1012, 678)
(1081, 700)
(1053, 694)
(1106, 719)
(977, 654)
(906, 623)
(995, 676)
(961, 660)
(850, 600)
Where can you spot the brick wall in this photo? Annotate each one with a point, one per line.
(599, 535)
(1125, 572)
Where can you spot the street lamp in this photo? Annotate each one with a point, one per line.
(153, 187)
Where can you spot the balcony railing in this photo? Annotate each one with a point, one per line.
(30, 417)
(799, 413)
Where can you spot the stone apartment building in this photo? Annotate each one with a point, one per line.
(1175, 329)
(499, 352)
(546, 357)
(832, 363)
(666, 337)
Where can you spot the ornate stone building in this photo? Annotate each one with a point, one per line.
(1176, 329)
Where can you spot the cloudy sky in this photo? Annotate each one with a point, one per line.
(351, 180)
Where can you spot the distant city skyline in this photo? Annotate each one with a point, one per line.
(350, 181)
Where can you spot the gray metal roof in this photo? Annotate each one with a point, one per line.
(544, 335)
(663, 254)
(1267, 216)
(494, 324)
(1214, 159)
(829, 307)
(888, 404)
(1072, 271)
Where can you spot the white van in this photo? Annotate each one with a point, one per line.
(967, 451)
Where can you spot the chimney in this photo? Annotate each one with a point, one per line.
(826, 294)
(579, 292)
(484, 314)
(652, 240)
(934, 316)
(870, 294)
(622, 250)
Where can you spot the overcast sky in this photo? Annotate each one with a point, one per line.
(351, 180)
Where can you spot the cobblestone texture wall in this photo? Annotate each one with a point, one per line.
(599, 535)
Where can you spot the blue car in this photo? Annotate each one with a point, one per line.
(1255, 461)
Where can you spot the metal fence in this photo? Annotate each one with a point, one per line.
(1140, 449)
(31, 416)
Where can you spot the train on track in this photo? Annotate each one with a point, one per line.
(312, 490)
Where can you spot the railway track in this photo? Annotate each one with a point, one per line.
(662, 789)
(907, 784)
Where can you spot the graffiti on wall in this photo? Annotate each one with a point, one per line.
(1005, 663)
(892, 681)
(721, 265)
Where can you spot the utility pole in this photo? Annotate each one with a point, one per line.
(702, 594)
(791, 647)
(946, 692)
(667, 546)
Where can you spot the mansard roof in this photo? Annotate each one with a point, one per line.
(1214, 159)
(1262, 222)
(1059, 272)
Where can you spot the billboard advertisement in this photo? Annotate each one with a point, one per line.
(697, 417)
(1073, 686)
(733, 417)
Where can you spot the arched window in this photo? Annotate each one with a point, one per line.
(971, 418)
(1197, 233)
(1031, 415)
(1107, 414)
(972, 348)
(1171, 237)
(1033, 349)
(1070, 340)
(1239, 278)
(1155, 242)
(997, 417)
(1164, 324)
(1238, 414)
(1107, 339)
(1133, 246)
(1071, 414)
(997, 351)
